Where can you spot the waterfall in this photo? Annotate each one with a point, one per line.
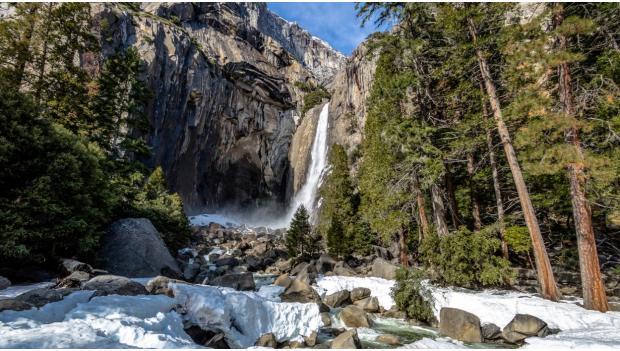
(318, 161)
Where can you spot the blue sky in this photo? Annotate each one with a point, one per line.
(333, 22)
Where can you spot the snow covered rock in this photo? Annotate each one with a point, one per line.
(4, 283)
(355, 317)
(132, 247)
(460, 325)
(114, 285)
(347, 340)
(381, 288)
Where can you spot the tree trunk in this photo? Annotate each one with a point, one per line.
(424, 226)
(594, 297)
(439, 211)
(496, 185)
(475, 204)
(454, 207)
(548, 287)
(402, 244)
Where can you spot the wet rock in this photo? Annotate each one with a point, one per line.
(337, 299)
(305, 271)
(389, 339)
(43, 296)
(325, 264)
(132, 247)
(283, 280)
(74, 280)
(460, 325)
(4, 283)
(267, 340)
(383, 269)
(355, 317)
(347, 340)
(491, 332)
(393, 312)
(70, 265)
(300, 291)
(237, 281)
(369, 304)
(524, 326)
(14, 305)
(326, 319)
(114, 285)
(359, 294)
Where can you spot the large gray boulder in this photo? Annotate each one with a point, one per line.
(4, 283)
(337, 299)
(237, 281)
(42, 296)
(383, 269)
(359, 294)
(132, 247)
(460, 325)
(114, 285)
(355, 317)
(300, 291)
(523, 326)
(325, 264)
(341, 268)
(347, 340)
(369, 304)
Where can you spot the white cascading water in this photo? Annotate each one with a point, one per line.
(318, 161)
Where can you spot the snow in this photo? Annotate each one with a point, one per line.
(15, 290)
(101, 322)
(439, 343)
(207, 218)
(245, 316)
(596, 337)
(381, 288)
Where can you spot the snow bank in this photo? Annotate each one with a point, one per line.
(245, 316)
(381, 288)
(103, 322)
(596, 337)
(439, 343)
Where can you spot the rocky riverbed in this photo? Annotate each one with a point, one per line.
(235, 288)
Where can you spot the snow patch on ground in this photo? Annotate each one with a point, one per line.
(245, 316)
(381, 288)
(439, 343)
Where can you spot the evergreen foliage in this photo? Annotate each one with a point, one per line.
(300, 241)
(412, 297)
(314, 95)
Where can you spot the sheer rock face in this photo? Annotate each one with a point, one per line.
(224, 106)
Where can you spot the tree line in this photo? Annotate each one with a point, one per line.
(492, 132)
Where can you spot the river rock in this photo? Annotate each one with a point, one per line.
(310, 340)
(326, 319)
(4, 283)
(160, 285)
(74, 280)
(283, 280)
(70, 265)
(337, 299)
(491, 332)
(42, 296)
(325, 264)
(305, 271)
(355, 317)
(389, 339)
(347, 340)
(267, 340)
(369, 304)
(524, 326)
(383, 269)
(341, 268)
(237, 281)
(300, 291)
(460, 325)
(359, 294)
(114, 285)
(14, 305)
(132, 247)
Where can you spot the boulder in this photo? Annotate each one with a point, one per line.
(325, 264)
(460, 325)
(283, 280)
(14, 305)
(114, 285)
(306, 272)
(381, 252)
(369, 304)
(355, 317)
(383, 269)
(74, 280)
(42, 296)
(4, 283)
(347, 340)
(523, 326)
(226, 261)
(341, 268)
(254, 263)
(191, 271)
(159, 286)
(295, 344)
(389, 339)
(491, 332)
(237, 281)
(70, 265)
(394, 313)
(310, 340)
(326, 319)
(337, 299)
(359, 294)
(267, 340)
(132, 247)
(300, 291)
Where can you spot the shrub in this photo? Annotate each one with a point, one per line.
(314, 95)
(412, 297)
(466, 258)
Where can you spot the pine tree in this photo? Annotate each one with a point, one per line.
(298, 234)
